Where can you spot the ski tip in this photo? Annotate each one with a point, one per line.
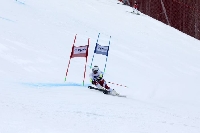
(119, 95)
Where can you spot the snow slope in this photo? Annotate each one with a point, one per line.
(160, 66)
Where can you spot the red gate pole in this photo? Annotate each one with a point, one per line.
(70, 57)
(86, 60)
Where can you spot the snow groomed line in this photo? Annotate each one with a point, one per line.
(6, 19)
(19, 2)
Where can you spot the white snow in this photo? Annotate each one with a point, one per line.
(159, 64)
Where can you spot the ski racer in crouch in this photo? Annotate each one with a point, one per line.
(96, 78)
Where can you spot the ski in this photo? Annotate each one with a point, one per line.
(94, 88)
(118, 95)
(102, 90)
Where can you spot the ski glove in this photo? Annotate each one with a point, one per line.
(94, 81)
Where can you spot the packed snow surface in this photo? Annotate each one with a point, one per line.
(159, 64)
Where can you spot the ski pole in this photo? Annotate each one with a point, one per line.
(118, 84)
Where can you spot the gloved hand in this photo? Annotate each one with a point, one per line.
(94, 81)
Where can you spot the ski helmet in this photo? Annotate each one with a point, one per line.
(95, 69)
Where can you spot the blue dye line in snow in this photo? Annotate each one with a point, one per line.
(54, 84)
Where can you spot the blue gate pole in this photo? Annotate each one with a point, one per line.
(94, 51)
(107, 55)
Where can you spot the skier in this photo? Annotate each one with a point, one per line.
(96, 78)
(135, 8)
